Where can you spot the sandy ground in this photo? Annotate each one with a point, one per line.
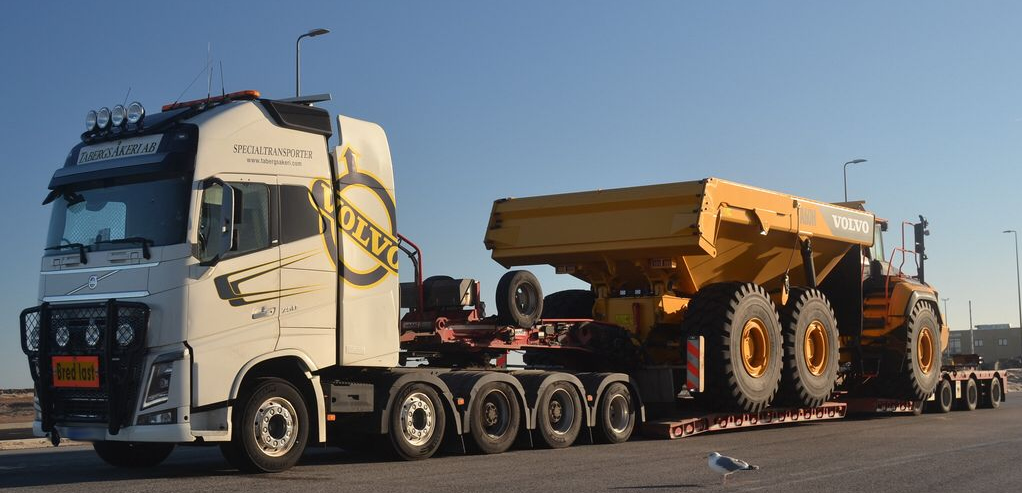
(16, 406)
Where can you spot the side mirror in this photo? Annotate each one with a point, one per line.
(216, 223)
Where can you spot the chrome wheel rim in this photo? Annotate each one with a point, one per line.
(417, 419)
(276, 426)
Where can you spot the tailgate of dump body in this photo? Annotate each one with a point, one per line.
(685, 235)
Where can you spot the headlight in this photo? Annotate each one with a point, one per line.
(63, 335)
(125, 334)
(158, 389)
(103, 118)
(117, 115)
(91, 334)
(135, 113)
(32, 338)
(90, 120)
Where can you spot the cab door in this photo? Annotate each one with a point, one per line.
(234, 305)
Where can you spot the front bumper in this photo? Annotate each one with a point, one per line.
(169, 433)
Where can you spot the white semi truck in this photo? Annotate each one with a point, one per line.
(215, 274)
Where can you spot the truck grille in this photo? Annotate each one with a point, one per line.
(112, 333)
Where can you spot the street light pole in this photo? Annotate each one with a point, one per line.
(298, 57)
(1018, 277)
(854, 161)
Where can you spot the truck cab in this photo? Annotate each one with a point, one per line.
(196, 249)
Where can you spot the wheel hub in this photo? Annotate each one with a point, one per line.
(755, 344)
(417, 419)
(924, 350)
(815, 348)
(276, 426)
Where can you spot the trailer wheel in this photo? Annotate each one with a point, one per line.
(615, 414)
(810, 349)
(495, 417)
(944, 398)
(922, 352)
(519, 299)
(132, 454)
(743, 345)
(970, 396)
(992, 398)
(417, 421)
(271, 427)
(560, 415)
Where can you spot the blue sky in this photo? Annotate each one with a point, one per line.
(483, 100)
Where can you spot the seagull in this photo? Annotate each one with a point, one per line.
(727, 466)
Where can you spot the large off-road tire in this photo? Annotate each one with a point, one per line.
(559, 415)
(993, 395)
(810, 349)
(271, 428)
(417, 420)
(571, 303)
(615, 414)
(494, 417)
(743, 354)
(943, 398)
(921, 371)
(519, 299)
(132, 454)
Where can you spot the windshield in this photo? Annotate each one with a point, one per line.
(155, 211)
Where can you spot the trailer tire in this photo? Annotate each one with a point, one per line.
(994, 394)
(943, 398)
(922, 352)
(417, 421)
(615, 414)
(741, 330)
(970, 396)
(519, 299)
(571, 303)
(271, 428)
(495, 417)
(810, 349)
(132, 454)
(559, 415)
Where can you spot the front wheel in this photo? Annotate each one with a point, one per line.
(271, 428)
(922, 352)
(132, 454)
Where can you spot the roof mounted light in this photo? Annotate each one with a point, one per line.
(118, 115)
(90, 121)
(234, 96)
(103, 118)
(135, 113)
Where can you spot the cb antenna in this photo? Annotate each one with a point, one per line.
(126, 96)
(209, 69)
(223, 91)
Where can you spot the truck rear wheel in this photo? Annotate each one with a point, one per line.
(810, 349)
(615, 414)
(559, 415)
(495, 417)
(992, 397)
(417, 422)
(519, 299)
(743, 353)
(922, 352)
(132, 454)
(271, 428)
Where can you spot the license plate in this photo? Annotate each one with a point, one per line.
(76, 371)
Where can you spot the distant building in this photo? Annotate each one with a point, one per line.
(996, 343)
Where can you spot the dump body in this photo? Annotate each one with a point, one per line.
(675, 237)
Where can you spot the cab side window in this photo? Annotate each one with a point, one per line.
(299, 215)
(251, 217)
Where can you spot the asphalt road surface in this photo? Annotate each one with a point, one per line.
(960, 451)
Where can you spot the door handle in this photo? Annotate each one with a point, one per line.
(262, 312)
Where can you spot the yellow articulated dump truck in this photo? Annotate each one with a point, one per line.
(751, 297)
